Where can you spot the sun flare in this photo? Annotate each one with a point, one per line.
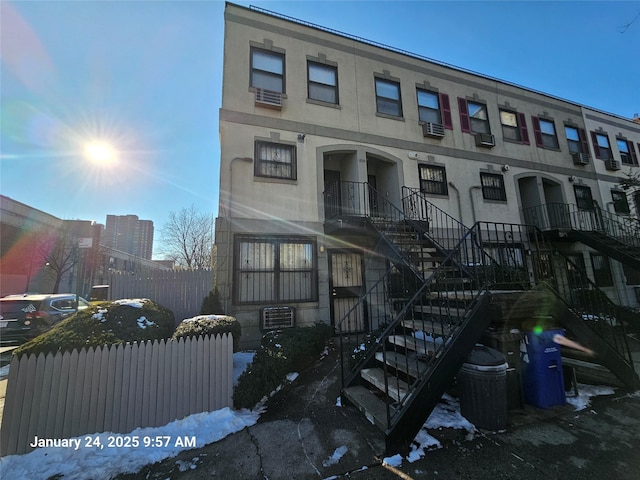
(100, 153)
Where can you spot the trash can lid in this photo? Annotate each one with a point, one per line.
(485, 356)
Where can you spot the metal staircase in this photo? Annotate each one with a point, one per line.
(617, 236)
(431, 305)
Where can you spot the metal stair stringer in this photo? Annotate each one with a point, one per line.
(611, 246)
(432, 385)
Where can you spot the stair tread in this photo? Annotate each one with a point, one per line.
(423, 347)
(429, 326)
(369, 404)
(408, 365)
(440, 311)
(397, 389)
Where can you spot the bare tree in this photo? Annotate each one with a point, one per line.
(59, 250)
(187, 238)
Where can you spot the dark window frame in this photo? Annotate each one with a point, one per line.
(620, 202)
(517, 133)
(493, 192)
(322, 85)
(627, 156)
(602, 276)
(430, 186)
(381, 101)
(601, 152)
(584, 202)
(277, 271)
(474, 121)
(579, 145)
(267, 73)
(544, 139)
(260, 163)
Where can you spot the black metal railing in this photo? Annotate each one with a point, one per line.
(443, 229)
(564, 216)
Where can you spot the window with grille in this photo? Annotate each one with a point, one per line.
(275, 270)
(493, 186)
(275, 160)
(433, 179)
(267, 70)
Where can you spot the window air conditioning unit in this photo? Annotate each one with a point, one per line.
(580, 158)
(277, 317)
(485, 140)
(433, 129)
(612, 164)
(268, 99)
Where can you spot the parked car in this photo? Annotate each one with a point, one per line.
(23, 317)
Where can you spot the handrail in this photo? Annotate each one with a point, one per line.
(564, 216)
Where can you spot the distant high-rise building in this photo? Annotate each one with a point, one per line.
(129, 234)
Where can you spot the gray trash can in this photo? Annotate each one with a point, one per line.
(482, 384)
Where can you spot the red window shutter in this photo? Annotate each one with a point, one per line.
(632, 151)
(594, 140)
(445, 106)
(583, 140)
(522, 124)
(537, 133)
(465, 123)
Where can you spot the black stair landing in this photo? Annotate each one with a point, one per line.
(612, 247)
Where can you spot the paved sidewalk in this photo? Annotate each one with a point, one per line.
(303, 427)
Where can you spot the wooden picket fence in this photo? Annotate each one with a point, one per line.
(114, 389)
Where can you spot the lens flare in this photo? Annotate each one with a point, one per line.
(100, 152)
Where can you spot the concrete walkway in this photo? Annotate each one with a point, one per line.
(303, 427)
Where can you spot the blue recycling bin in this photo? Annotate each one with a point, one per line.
(542, 379)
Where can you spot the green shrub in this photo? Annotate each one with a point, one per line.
(211, 304)
(281, 352)
(107, 323)
(210, 325)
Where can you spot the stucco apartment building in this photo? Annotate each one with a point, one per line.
(313, 121)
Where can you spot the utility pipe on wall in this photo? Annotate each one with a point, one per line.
(459, 202)
(473, 206)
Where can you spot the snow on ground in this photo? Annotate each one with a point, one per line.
(89, 462)
(94, 458)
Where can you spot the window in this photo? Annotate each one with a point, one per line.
(473, 117)
(267, 70)
(575, 270)
(275, 160)
(576, 140)
(545, 133)
(492, 187)
(627, 152)
(601, 270)
(584, 200)
(601, 146)
(323, 82)
(514, 126)
(433, 179)
(275, 270)
(620, 203)
(388, 97)
(429, 107)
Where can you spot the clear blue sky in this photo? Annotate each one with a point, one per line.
(146, 76)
